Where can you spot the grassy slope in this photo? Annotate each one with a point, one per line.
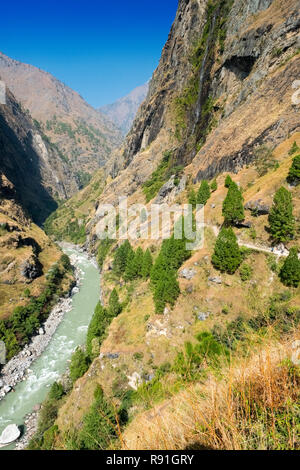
(12, 284)
(159, 338)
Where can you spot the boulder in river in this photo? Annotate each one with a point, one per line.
(10, 434)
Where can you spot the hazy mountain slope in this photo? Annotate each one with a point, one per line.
(30, 163)
(83, 135)
(124, 110)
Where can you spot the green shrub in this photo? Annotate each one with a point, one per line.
(290, 271)
(18, 329)
(65, 261)
(189, 364)
(138, 356)
(246, 272)
(294, 148)
(192, 198)
(79, 364)
(56, 391)
(214, 186)
(158, 178)
(49, 438)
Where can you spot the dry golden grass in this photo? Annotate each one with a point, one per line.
(244, 410)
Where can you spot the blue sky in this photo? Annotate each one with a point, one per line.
(102, 49)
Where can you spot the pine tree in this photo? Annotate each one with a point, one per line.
(138, 261)
(147, 264)
(290, 271)
(281, 219)
(214, 186)
(294, 173)
(123, 253)
(166, 291)
(203, 194)
(228, 181)
(114, 306)
(192, 198)
(233, 209)
(227, 256)
(134, 265)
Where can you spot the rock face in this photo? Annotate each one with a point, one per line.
(31, 268)
(123, 111)
(188, 274)
(83, 136)
(10, 434)
(209, 100)
(258, 207)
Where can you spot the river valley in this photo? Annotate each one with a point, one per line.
(53, 361)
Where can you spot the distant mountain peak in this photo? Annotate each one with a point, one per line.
(123, 111)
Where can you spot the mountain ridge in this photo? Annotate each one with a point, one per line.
(84, 137)
(123, 111)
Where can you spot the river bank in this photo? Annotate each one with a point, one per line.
(45, 359)
(15, 370)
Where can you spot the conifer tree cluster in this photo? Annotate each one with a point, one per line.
(233, 208)
(163, 278)
(281, 219)
(132, 264)
(101, 320)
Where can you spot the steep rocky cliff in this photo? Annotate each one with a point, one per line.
(83, 136)
(223, 87)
